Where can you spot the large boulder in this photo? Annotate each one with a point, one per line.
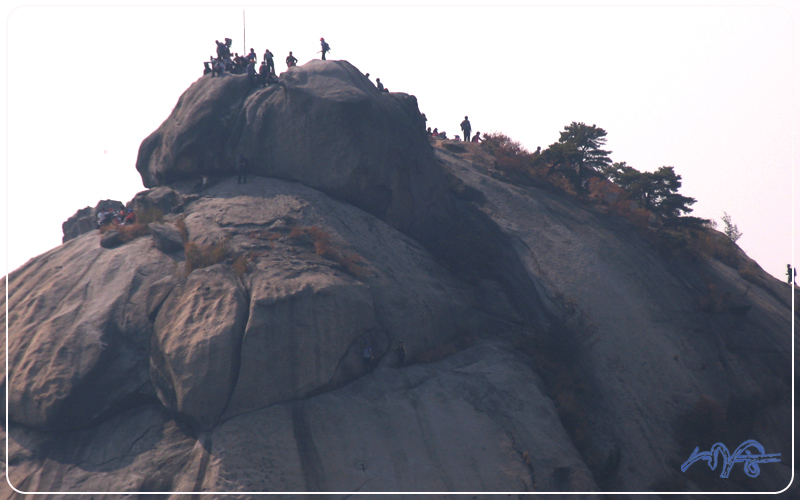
(320, 278)
(197, 344)
(325, 125)
(79, 332)
(85, 219)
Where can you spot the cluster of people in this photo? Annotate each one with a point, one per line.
(239, 65)
(265, 74)
(121, 217)
(466, 128)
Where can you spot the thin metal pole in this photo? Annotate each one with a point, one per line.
(244, 32)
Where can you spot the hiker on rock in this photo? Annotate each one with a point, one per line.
(791, 274)
(401, 353)
(466, 128)
(223, 49)
(291, 60)
(242, 170)
(380, 85)
(217, 67)
(130, 217)
(251, 73)
(263, 73)
(325, 47)
(270, 63)
(252, 56)
(477, 137)
(366, 355)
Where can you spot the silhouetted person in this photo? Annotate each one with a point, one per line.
(217, 67)
(263, 73)
(223, 49)
(366, 355)
(466, 128)
(477, 137)
(401, 353)
(243, 165)
(252, 56)
(268, 59)
(538, 150)
(252, 76)
(291, 60)
(325, 47)
(380, 85)
(791, 275)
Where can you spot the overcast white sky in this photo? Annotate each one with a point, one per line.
(710, 90)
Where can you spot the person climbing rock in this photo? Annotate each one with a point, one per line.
(401, 353)
(366, 355)
(325, 47)
(291, 60)
(466, 128)
(242, 171)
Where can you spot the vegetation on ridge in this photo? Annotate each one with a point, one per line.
(577, 165)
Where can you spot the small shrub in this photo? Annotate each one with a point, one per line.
(150, 214)
(631, 211)
(750, 272)
(240, 265)
(181, 225)
(199, 256)
(127, 233)
(353, 263)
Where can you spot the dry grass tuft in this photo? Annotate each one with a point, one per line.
(199, 256)
(352, 263)
(127, 233)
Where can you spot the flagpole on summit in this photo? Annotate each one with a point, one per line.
(244, 31)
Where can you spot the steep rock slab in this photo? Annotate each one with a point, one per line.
(308, 314)
(190, 142)
(476, 421)
(141, 450)
(641, 342)
(79, 332)
(325, 125)
(197, 341)
(302, 329)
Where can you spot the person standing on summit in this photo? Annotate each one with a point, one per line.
(270, 63)
(466, 128)
(325, 47)
(291, 60)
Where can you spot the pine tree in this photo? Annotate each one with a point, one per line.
(731, 230)
(579, 147)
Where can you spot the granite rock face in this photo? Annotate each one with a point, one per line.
(325, 125)
(85, 219)
(548, 345)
